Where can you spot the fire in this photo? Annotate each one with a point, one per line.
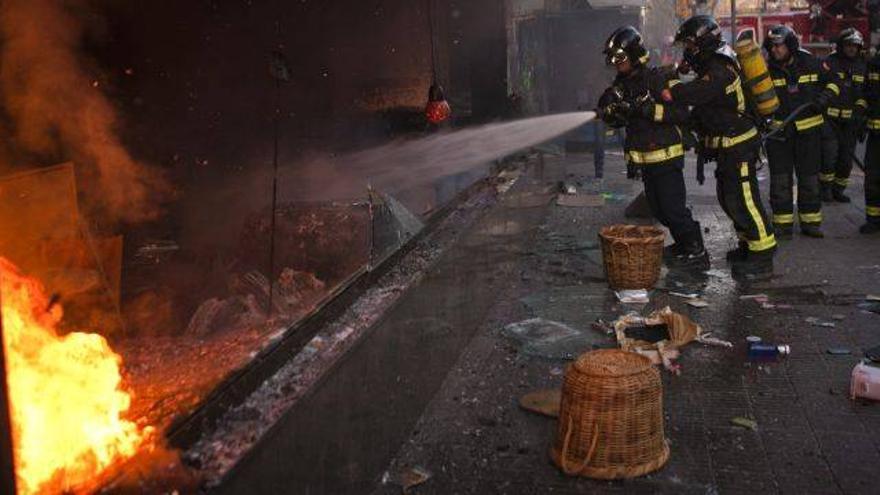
(66, 394)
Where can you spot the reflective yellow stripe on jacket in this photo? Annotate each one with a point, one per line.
(806, 78)
(874, 124)
(809, 122)
(715, 142)
(656, 156)
(873, 211)
(838, 113)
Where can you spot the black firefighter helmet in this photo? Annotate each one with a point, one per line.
(780, 34)
(625, 43)
(849, 36)
(701, 37)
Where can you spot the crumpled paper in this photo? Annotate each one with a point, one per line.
(682, 331)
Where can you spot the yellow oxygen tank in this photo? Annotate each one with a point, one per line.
(758, 82)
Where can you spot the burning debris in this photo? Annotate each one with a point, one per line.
(68, 399)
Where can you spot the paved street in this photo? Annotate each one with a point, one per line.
(810, 438)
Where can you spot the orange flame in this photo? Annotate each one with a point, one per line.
(66, 394)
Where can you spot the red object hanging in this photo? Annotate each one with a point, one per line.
(437, 110)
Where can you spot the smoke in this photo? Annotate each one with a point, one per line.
(56, 110)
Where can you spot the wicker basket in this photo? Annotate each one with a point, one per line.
(632, 255)
(611, 417)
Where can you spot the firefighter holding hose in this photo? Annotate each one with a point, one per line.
(872, 155)
(654, 148)
(719, 110)
(846, 112)
(803, 86)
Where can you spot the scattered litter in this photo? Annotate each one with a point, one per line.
(550, 339)
(742, 422)
(873, 354)
(872, 297)
(407, 478)
(697, 303)
(838, 317)
(714, 272)
(759, 297)
(580, 200)
(816, 322)
(838, 351)
(868, 267)
(602, 326)
(865, 381)
(556, 371)
(870, 306)
(544, 402)
(636, 296)
(612, 196)
(753, 339)
(760, 351)
(685, 295)
(681, 331)
(566, 188)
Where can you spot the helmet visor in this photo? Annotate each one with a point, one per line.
(615, 56)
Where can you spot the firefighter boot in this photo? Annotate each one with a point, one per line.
(691, 254)
(783, 231)
(837, 193)
(755, 266)
(671, 251)
(812, 230)
(739, 254)
(827, 195)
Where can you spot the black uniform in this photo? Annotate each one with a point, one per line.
(846, 114)
(797, 81)
(654, 145)
(719, 108)
(872, 155)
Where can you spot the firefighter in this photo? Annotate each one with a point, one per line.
(872, 155)
(846, 111)
(798, 78)
(653, 146)
(720, 117)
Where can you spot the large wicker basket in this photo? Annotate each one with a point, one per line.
(632, 255)
(611, 417)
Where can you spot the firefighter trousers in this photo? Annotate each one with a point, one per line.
(872, 178)
(837, 173)
(740, 198)
(667, 197)
(801, 155)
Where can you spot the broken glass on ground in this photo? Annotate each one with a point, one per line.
(549, 339)
(870, 306)
(567, 304)
(406, 477)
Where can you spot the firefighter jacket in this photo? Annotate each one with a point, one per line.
(797, 82)
(652, 133)
(872, 94)
(719, 105)
(852, 77)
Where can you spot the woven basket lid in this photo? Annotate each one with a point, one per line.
(609, 363)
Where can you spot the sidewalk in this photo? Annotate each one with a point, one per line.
(811, 438)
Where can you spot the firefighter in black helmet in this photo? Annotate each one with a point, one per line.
(719, 115)
(798, 78)
(846, 112)
(653, 146)
(872, 155)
